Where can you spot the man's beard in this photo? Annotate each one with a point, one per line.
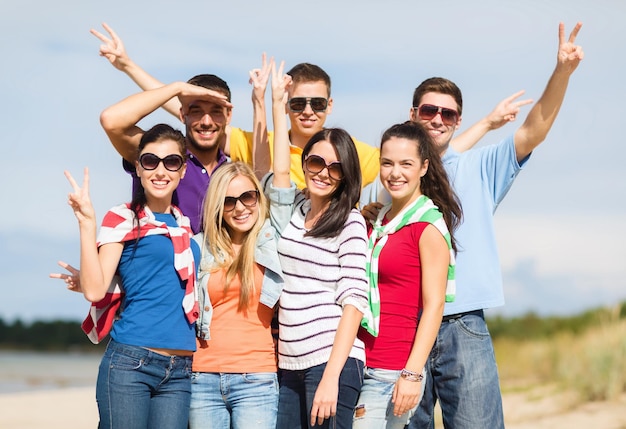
(195, 146)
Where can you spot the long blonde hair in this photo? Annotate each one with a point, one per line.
(217, 234)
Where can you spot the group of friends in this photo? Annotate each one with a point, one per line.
(299, 278)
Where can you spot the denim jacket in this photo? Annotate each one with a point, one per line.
(283, 202)
(265, 254)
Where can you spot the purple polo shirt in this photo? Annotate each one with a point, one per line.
(189, 195)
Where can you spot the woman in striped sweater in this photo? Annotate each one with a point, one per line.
(322, 253)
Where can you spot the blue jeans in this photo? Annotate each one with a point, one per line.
(461, 373)
(237, 401)
(297, 390)
(138, 388)
(374, 409)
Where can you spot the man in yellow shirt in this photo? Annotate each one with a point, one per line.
(308, 106)
(309, 82)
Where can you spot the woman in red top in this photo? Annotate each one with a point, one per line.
(411, 272)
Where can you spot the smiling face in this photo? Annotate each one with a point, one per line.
(243, 217)
(440, 132)
(306, 123)
(159, 183)
(401, 170)
(321, 184)
(205, 124)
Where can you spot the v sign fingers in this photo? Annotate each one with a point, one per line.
(112, 48)
(79, 199)
(570, 54)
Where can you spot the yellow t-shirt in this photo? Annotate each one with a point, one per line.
(241, 150)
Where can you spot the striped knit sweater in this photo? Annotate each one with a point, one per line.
(322, 275)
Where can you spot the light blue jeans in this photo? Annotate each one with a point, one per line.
(374, 409)
(233, 401)
(140, 389)
(461, 373)
(297, 390)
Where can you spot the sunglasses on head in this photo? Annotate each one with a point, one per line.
(315, 164)
(298, 104)
(428, 111)
(150, 161)
(248, 199)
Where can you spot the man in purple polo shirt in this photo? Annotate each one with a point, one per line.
(205, 111)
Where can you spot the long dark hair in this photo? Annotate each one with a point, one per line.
(435, 184)
(155, 134)
(348, 192)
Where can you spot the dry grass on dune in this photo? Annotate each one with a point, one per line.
(590, 366)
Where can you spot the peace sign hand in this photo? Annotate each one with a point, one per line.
(570, 54)
(280, 83)
(79, 199)
(112, 48)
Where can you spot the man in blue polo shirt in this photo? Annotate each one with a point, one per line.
(461, 370)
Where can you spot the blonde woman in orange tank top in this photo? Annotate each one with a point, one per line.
(234, 381)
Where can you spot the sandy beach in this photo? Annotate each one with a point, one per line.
(72, 408)
(75, 408)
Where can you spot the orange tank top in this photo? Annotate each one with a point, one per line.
(241, 340)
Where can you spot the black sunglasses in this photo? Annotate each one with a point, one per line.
(150, 161)
(428, 111)
(315, 164)
(298, 104)
(248, 199)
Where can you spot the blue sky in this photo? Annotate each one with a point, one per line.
(560, 229)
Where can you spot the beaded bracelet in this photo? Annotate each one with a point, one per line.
(411, 376)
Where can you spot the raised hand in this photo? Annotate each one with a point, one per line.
(79, 199)
(280, 83)
(112, 48)
(259, 78)
(72, 280)
(189, 92)
(506, 111)
(569, 54)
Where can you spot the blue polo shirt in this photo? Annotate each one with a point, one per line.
(481, 178)
(189, 195)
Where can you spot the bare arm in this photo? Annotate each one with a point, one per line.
(505, 111)
(97, 267)
(435, 258)
(120, 120)
(543, 114)
(113, 49)
(282, 159)
(260, 143)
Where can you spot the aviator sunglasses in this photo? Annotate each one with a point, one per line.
(428, 111)
(248, 199)
(150, 161)
(315, 164)
(298, 104)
